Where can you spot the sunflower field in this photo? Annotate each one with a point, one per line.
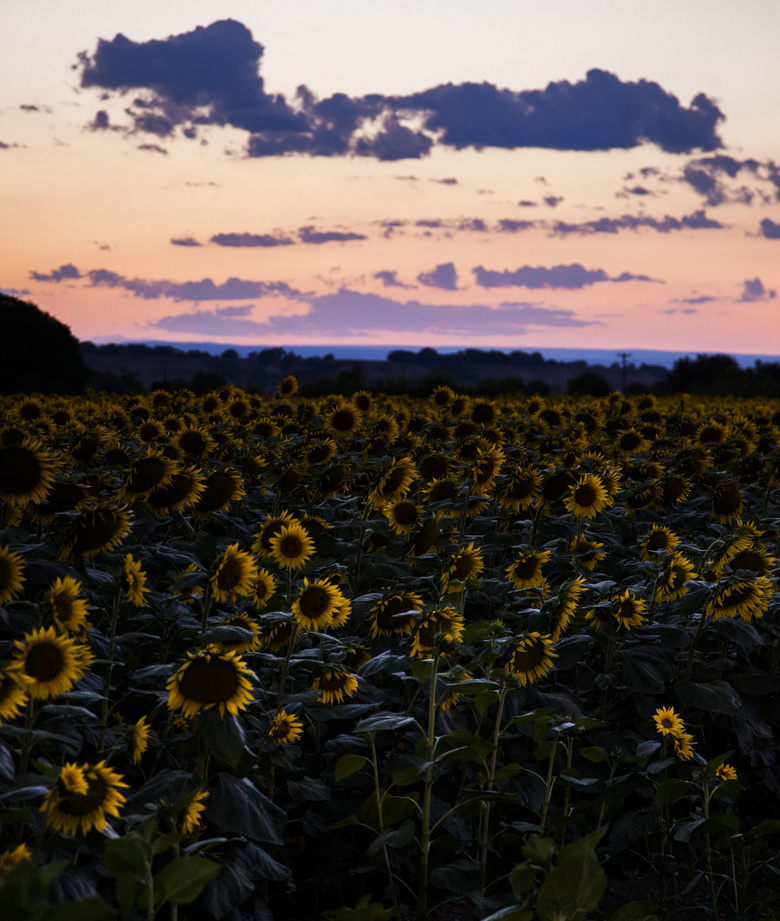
(380, 657)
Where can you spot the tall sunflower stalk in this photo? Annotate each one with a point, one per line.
(425, 833)
(115, 605)
(485, 814)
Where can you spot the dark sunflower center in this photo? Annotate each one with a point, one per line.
(220, 489)
(392, 608)
(318, 454)
(521, 488)
(271, 529)
(444, 490)
(630, 441)
(463, 567)
(230, 574)
(84, 803)
(192, 443)
(333, 681)
(658, 541)
(282, 729)
(290, 546)
(749, 559)
(555, 487)
(677, 578)
(528, 657)
(433, 466)
(526, 569)
(315, 602)
(262, 590)
(209, 681)
(727, 499)
(63, 606)
(393, 480)
(625, 609)
(405, 513)
(44, 662)
(178, 490)
(585, 495)
(96, 530)
(343, 420)
(20, 471)
(740, 594)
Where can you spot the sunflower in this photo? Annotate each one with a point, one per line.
(342, 420)
(424, 540)
(210, 678)
(50, 664)
(487, 467)
(467, 563)
(562, 608)
(683, 745)
(599, 616)
(134, 581)
(442, 490)
(272, 526)
(343, 611)
(631, 442)
(185, 488)
(394, 482)
(667, 722)
(442, 622)
(659, 539)
(711, 433)
(96, 530)
(11, 575)
(676, 573)
(189, 820)
(748, 598)
(288, 386)
(63, 496)
(394, 614)
(138, 739)
(245, 622)
(726, 772)
(356, 655)
(526, 570)
(442, 396)
(10, 859)
(586, 553)
(588, 497)
(319, 452)
(265, 587)
(195, 441)
(403, 515)
(285, 728)
(69, 812)
(756, 560)
(73, 778)
(316, 605)
(521, 491)
(26, 472)
(555, 485)
(334, 684)
(727, 501)
(628, 611)
(220, 489)
(151, 472)
(531, 657)
(292, 547)
(12, 693)
(233, 574)
(674, 488)
(277, 634)
(66, 608)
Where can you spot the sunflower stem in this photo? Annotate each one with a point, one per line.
(26, 741)
(207, 602)
(109, 668)
(694, 644)
(380, 818)
(425, 834)
(548, 783)
(708, 850)
(485, 818)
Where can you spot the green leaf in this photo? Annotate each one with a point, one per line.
(539, 850)
(635, 911)
(395, 809)
(521, 879)
(669, 791)
(382, 721)
(594, 753)
(315, 791)
(182, 880)
(392, 837)
(236, 805)
(130, 894)
(130, 854)
(714, 696)
(347, 765)
(574, 885)
(224, 736)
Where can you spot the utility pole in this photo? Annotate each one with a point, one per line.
(624, 356)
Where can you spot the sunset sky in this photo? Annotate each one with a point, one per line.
(505, 173)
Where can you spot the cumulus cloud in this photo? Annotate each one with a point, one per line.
(153, 148)
(185, 241)
(310, 235)
(352, 313)
(754, 290)
(390, 279)
(696, 221)
(770, 230)
(571, 277)
(210, 76)
(15, 292)
(443, 276)
(63, 273)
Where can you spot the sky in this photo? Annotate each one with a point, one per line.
(491, 173)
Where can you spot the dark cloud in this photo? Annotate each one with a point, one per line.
(754, 290)
(15, 292)
(705, 176)
(571, 277)
(29, 107)
(696, 221)
(526, 204)
(472, 223)
(153, 148)
(770, 230)
(448, 181)
(390, 279)
(251, 239)
(205, 77)
(4, 146)
(701, 299)
(185, 241)
(352, 313)
(210, 76)
(680, 310)
(638, 190)
(443, 276)
(310, 235)
(508, 225)
(63, 273)
(553, 201)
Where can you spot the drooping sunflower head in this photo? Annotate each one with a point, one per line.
(747, 598)
(134, 581)
(587, 553)
(50, 664)
(436, 628)
(288, 386)
(628, 610)
(246, 622)
(71, 812)
(12, 576)
(265, 587)
(285, 728)
(185, 488)
(526, 570)
(563, 606)
(13, 695)
(466, 563)
(233, 574)
(26, 472)
(210, 678)
(395, 614)
(96, 530)
(138, 739)
(659, 540)
(148, 473)
(531, 657)
(63, 496)
(291, 547)
(487, 467)
(65, 605)
(394, 482)
(677, 571)
(727, 501)
(220, 489)
(334, 684)
(683, 745)
(195, 441)
(521, 491)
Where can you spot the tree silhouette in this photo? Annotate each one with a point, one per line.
(38, 353)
